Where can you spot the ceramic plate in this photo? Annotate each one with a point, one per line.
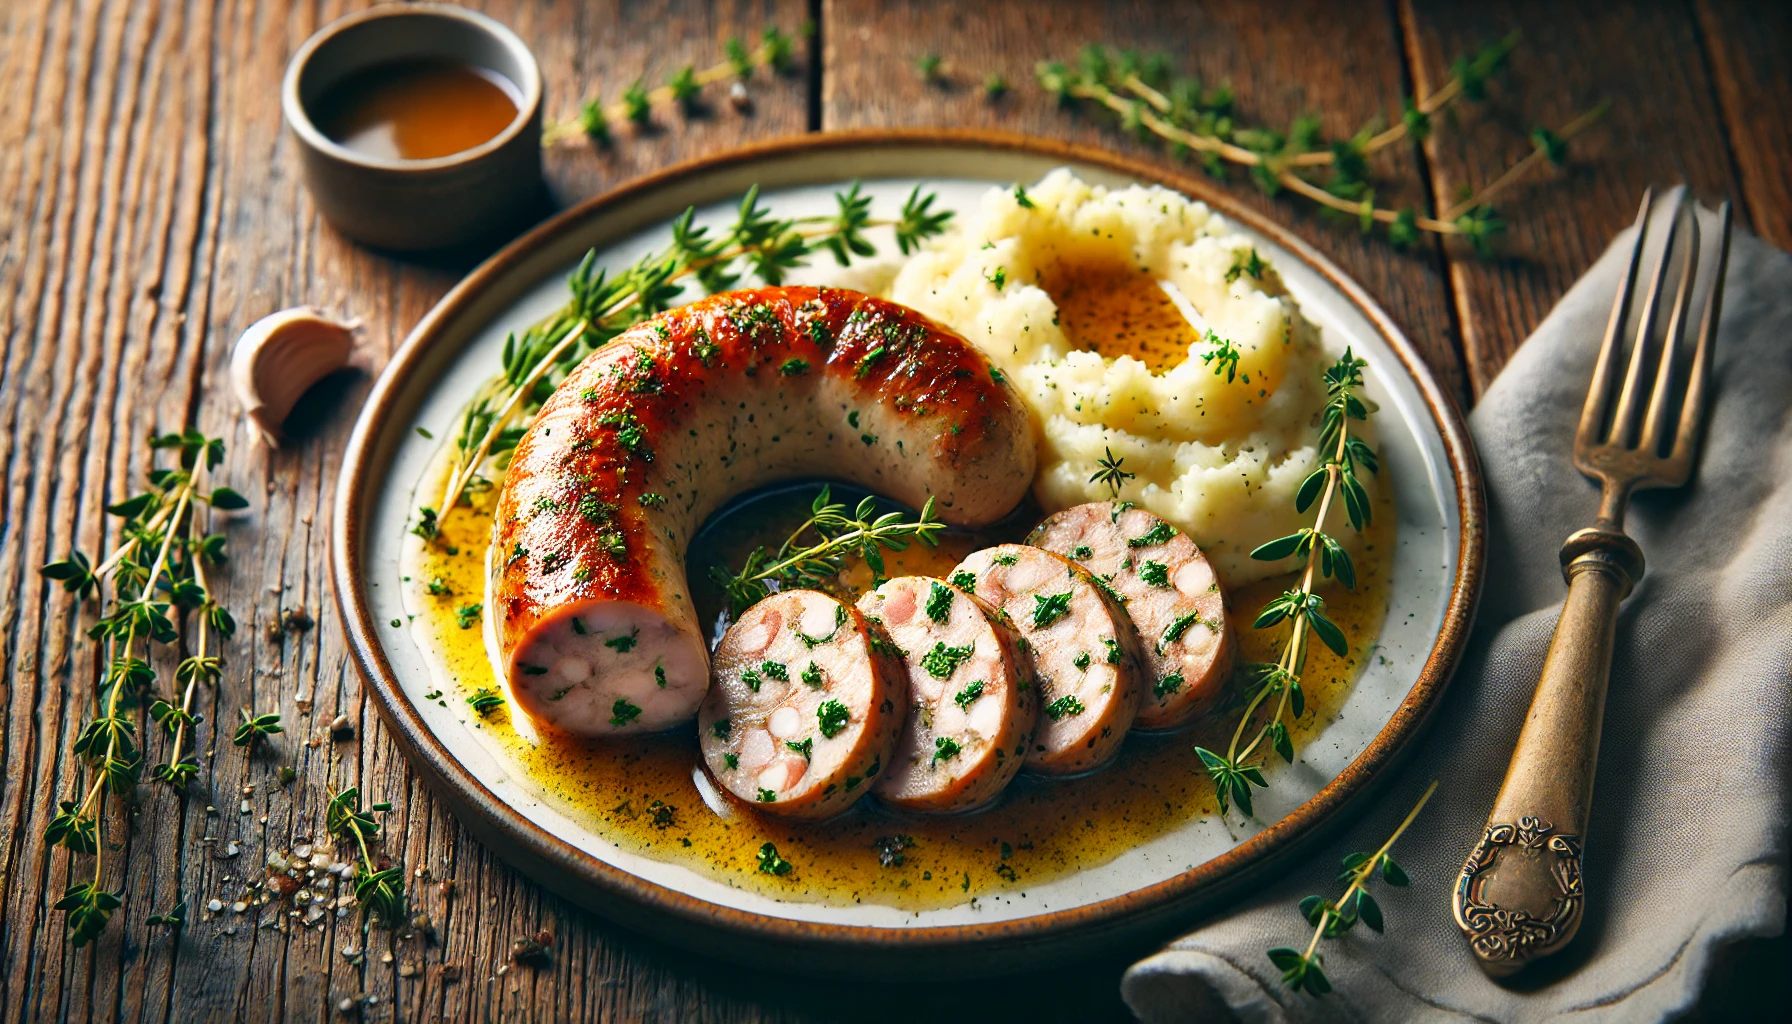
(1162, 883)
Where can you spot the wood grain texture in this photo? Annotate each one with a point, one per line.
(871, 49)
(1664, 128)
(1746, 44)
(150, 210)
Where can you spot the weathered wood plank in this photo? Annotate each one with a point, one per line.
(1663, 129)
(1274, 65)
(150, 211)
(1747, 45)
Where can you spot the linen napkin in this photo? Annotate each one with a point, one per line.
(1686, 847)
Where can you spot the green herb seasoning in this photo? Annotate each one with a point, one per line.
(965, 581)
(622, 712)
(832, 717)
(1064, 707)
(970, 693)
(625, 643)
(1158, 534)
(484, 701)
(944, 747)
(1049, 608)
(942, 661)
(939, 602)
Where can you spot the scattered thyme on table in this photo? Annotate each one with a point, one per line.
(157, 575)
(1205, 125)
(603, 305)
(1335, 480)
(1301, 971)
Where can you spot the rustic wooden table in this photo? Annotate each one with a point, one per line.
(150, 209)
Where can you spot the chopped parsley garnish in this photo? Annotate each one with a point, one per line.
(426, 527)
(623, 644)
(942, 661)
(852, 419)
(652, 499)
(970, 693)
(1114, 654)
(751, 678)
(1082, 551)
(731, 760)
(1026, 203)
(1168, 684)
(1116, 509)
(1173, 632)
(438, 587)
(594, 509)
(867, 361)
(869, 439)
(997, 375)
(467, 615)
(794, 367)
(722, 728)
(659, 675)
(1081, 661)
(1064, 707)
(812, 676)
(622, 712)
(999, 278)
(578, 625)
(769, 861)
(1158, 534)
(1049, 608)
(939, 602)
(766, 796)
(484, 701)
(890, 848)
(1155, 573)
(629, 433)
(805, 748)
(965, 580)
(832, 716)
(776, 670)
(1006, 559)
(944, 747)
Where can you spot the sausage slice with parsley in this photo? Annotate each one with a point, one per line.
(971, 709)
(1084, 652)
(804, 708)
(1171, 594)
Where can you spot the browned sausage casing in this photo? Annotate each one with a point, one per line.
(655, 430)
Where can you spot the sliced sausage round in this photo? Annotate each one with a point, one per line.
(1084, 652)
(1171, 594)
(805, 708)
(971, 707)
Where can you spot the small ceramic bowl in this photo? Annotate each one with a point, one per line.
(417, 204)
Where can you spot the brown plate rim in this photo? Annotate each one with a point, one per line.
(615, 891)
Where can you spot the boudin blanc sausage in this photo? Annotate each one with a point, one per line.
(1171, 594)
(1084, 652)
(806, 708)
(652, 432)
(970, 710)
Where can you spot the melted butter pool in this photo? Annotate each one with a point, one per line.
(642, 796)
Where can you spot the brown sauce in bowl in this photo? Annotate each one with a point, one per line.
(416, 109)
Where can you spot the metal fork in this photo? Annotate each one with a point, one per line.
(1520, 894)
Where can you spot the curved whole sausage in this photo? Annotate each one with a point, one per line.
(652, 432)
(1170, 592)
(806, 709)
(971, 708)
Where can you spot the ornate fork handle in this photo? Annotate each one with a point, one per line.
(1519, 896)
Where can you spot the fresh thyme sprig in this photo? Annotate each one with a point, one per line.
(156, 575)
(799, 562)
(1332, 172)
(1110, 474)
(604, 305)
(776, 50)
(379, 891)
(1241, 767)
(1301, 971)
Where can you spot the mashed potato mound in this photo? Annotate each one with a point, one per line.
(1220, 459)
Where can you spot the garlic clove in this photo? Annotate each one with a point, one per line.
(278, 359)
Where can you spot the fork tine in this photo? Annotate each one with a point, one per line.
(1692, 412)
(1624, 423)
(1655, 420)
(1592, 414)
